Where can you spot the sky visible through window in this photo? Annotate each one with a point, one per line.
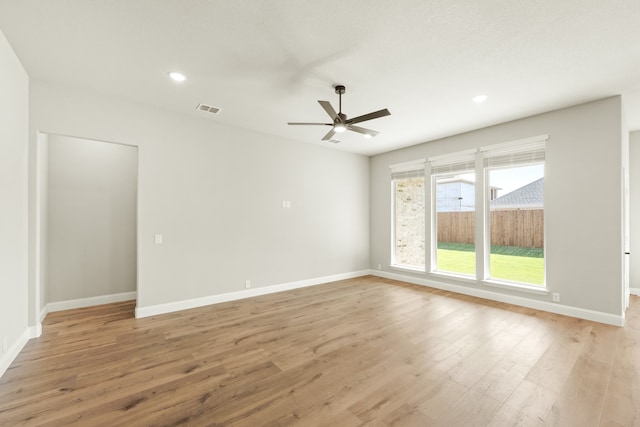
(510, 179)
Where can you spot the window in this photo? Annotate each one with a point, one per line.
(483, 210)
(515, 223)
(408, 186)
(454, 214)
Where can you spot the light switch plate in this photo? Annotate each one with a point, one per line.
(158, 239)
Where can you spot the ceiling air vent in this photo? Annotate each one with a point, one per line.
(208, 108)
(335, 141)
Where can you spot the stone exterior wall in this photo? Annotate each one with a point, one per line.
(410, 220)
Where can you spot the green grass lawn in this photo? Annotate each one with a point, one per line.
(525, 265)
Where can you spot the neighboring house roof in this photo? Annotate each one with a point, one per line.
(526, 197)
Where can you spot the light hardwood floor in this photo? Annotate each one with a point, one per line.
(365, 351)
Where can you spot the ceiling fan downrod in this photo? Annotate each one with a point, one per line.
(340, 90)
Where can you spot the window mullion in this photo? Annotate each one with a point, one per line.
(482, 215)
(429, 221)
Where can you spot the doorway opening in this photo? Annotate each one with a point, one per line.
(86, 223)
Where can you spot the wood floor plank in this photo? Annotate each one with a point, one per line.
(509, 416)
(408, 416)
(580, 401)
(554, 366)
(365, 351)
(506, 375)
(622, 400)
(531, 401)
(472, 409)
(441, 397)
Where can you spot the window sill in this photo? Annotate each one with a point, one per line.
(453, 276)
(407, 269)
(532, 289)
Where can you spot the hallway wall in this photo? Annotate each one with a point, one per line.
(91, 227)
(14, 122)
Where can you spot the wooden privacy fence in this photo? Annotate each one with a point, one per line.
(524, 228)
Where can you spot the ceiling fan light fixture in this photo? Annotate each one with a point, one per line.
(367, 136)
(340, 127)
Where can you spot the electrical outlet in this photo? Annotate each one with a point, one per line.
(379, 266)
(556, 297)
(247, 284)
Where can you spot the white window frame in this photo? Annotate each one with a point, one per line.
(458, 162)
(523, 152)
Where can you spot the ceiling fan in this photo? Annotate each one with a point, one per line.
(340, 121)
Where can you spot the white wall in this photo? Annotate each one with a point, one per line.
(583, 202)
(625, 208)
(91, 226)
(39, 189)
(215, 193)
(14, 98)
(634, 226)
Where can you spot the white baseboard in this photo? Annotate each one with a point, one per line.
(581, 313)
(12, 352)
(158, 309)
(634, 291)
(35, 331)
(87, 302)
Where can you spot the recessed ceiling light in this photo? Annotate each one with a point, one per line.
(178, 77)
(480, 99)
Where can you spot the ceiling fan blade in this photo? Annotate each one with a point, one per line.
(363, 131)
(329, 109)
(310, 124)
(369, 116)
(329, 135)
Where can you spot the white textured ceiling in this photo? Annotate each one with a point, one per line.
(267, 62)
